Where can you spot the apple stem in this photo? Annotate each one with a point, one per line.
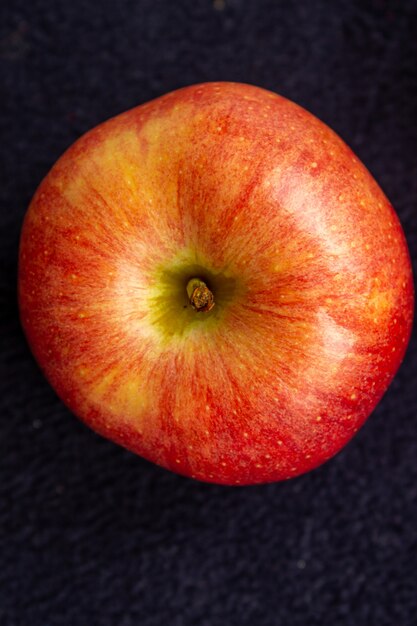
(200, 296)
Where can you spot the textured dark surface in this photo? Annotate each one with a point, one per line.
(91, 535)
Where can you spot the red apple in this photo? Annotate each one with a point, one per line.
(214, 281)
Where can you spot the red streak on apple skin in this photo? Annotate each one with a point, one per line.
(242, 181)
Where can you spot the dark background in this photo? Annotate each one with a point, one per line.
(92, 535)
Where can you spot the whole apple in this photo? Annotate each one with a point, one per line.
(214, 281)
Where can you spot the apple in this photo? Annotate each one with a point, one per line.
(215, 281)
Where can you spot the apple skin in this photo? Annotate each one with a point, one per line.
(304, 254)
